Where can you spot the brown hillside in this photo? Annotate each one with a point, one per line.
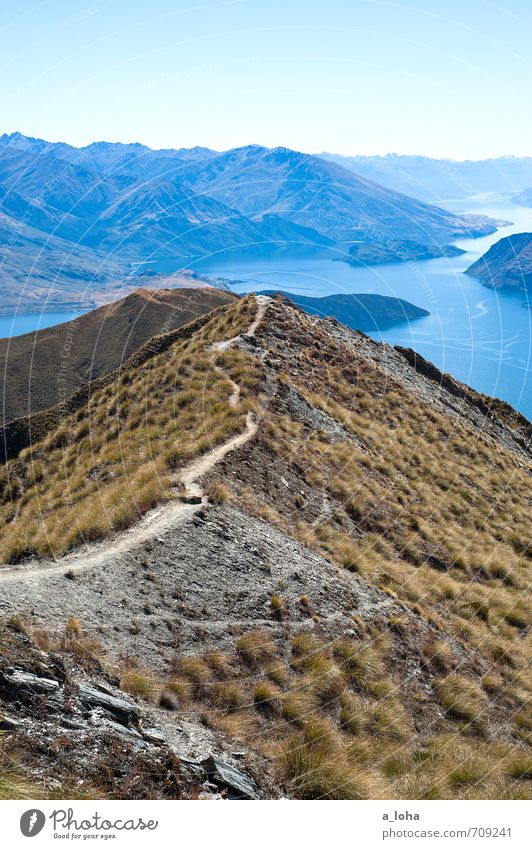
(43, 368)
(334, 583)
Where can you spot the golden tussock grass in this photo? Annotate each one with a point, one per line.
(108, 464)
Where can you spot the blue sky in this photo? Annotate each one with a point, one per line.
(446, 79)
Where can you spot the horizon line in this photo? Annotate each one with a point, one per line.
(390, 154)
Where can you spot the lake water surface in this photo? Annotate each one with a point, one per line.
(20, 323)
(480, 335)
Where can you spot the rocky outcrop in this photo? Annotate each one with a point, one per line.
(507, 264)
(123, 711)
(239, 785)
(84, 732)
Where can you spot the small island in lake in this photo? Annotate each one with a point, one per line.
(360, 312)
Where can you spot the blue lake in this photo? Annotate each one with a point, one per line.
(20, 323)
(480, 335)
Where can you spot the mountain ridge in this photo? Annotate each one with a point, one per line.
(76, 219)
(339, 595)
(357, 311)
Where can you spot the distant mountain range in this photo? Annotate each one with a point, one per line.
(360, 312)
(524, 198)
(438, 180)
(508, 263)
(74, 221)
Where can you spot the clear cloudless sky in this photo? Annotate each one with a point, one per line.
(444, 79)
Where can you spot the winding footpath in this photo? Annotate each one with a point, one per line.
(162, 518)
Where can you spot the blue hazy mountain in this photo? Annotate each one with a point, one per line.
(524, 198)
(325, 196)
(437, 180)
(76, 218)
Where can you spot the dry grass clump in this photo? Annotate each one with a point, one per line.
(307, 651)
(522, 723)
(255, 648)
(461, 697)
(266, 696)
(278, 605)
(219, 493)
(141, 683)
(299, 705)
(277, 672)
(390, 719)
(327, 683)
(316, 773)
(519, 617)
(73, 627)
(17, 783)
(440, 655)
(218, 662)
(321, 732)
(13, 784)
(363, 663)
(195, 671)
(520, 766)
(84, 647)
(470, 770)
(227, 695)
(354, 713)
(182, 690)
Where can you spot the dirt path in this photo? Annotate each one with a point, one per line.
(201, 465)
(159, 520)
(262, 306)
(235, 394)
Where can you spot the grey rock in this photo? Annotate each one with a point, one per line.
(28, 682)
(9, 723)
(72, 724)
(123, 711)
(153, 735)
(191, 499)
(207, 795)
(194, 768)
(223, 773)
(130, 733)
